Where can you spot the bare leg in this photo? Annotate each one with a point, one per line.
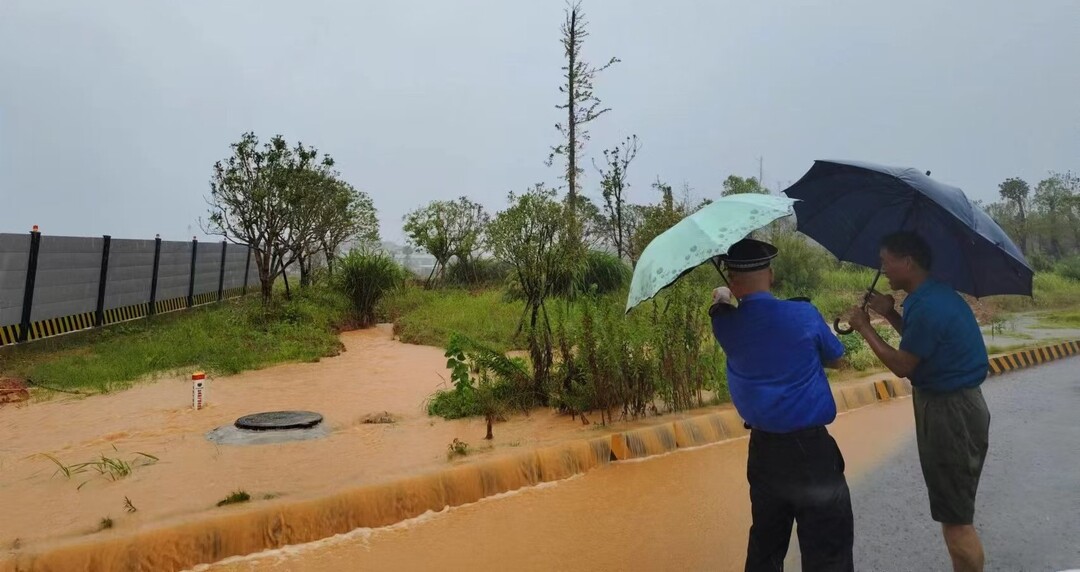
(964, 546)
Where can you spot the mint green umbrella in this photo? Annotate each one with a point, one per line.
(695, 239)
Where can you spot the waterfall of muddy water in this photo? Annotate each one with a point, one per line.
(688, 510)
(173, 545)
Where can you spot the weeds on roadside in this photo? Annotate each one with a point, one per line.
(236, 497)
(457, 448)
(112, 468)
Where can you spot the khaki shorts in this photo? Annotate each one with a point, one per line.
(952, 431)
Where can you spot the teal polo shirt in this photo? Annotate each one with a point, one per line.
(941, 330)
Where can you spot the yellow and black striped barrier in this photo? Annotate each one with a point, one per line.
(171, 305)
(9, 335)
(1027, 358)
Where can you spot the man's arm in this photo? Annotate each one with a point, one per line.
(841, 363)
(898, 361)
(885, 306)
(829, 347)
(895, 320)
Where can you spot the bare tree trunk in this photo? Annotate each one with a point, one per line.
(305, 271)
(266, 281)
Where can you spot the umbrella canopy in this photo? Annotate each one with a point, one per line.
(700, 236)
(849, 207)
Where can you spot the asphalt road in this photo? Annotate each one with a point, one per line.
(1028, 505)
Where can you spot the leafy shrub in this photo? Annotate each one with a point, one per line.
(477, 272)
(606, 273)
(1069, 267)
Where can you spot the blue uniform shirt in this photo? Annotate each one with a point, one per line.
(941, 330)
(775, 351)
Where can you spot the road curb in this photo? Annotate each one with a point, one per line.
(1003, 364)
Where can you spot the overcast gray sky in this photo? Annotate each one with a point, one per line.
(112, 112)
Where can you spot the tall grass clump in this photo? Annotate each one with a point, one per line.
(365, 277)
(622, 364)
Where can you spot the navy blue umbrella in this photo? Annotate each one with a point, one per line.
(849, 206)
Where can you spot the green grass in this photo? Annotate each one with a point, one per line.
(112, 468)
(996, 349)
(842, 288)
(1064, 319)
(428, 317)
(236, 497)
(221, 339)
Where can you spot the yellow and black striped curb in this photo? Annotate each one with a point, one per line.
(1028, 358)
(84, 321)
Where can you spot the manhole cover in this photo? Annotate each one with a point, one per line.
(277, 420)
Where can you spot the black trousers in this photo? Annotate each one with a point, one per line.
(798, 477)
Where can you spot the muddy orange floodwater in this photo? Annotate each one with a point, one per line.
(687, 510)
(612, 518)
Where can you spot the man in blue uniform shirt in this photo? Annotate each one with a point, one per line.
(943, 353)
(776, 351)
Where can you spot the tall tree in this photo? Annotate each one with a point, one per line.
(249, 200)
(532, 237)
(581, 104)
(347, 214)
(306, 187)
(655, 219)
(1015, 191)
(613, 187)
(735, 185)
(1053, 200)
(445, 229)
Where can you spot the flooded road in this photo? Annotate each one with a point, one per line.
(687, 510)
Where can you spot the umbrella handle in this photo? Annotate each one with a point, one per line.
(843, 332)
(866, 302)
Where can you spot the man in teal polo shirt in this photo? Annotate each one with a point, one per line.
(943, 353)
(776, 351)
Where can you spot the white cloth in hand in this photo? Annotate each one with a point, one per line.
(721, 295)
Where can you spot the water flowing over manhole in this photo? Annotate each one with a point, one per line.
(271, 427)
(279, 420)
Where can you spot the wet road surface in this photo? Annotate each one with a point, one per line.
(1028, 506)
